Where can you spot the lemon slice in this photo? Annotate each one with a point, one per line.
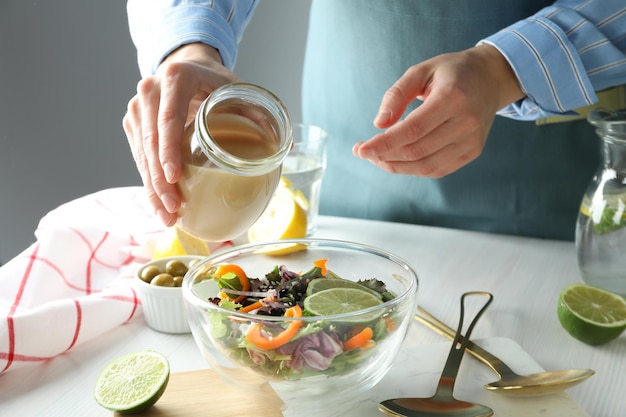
(284, 218)
(132, 383)
(176, 242)
(298, 195)
(284, 182)
(591, 315)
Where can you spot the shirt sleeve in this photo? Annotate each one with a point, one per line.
(158, 27)
(564, 54)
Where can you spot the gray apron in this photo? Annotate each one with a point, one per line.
(528, 181)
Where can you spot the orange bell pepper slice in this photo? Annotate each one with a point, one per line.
(360, 340)
(237, 271)
(269, 342)
(321, 264)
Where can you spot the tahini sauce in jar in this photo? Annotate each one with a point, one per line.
(232, 159)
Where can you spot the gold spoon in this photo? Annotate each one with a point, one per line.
(540, 383)
(443, 403)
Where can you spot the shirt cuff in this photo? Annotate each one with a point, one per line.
(193, 23)
(548, 67)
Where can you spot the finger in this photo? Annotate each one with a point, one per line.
(130, 124)
(173, 116)
(132, 127)
(149, 96)
(418, 124)
(443, 162)
(402, 93)
(465, 131)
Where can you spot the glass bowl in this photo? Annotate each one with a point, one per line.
(311, 361)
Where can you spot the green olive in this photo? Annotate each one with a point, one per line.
(163, 280)
(176, 267)
(149, 272)
(178, 281)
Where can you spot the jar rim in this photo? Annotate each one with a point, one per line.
(254, 96)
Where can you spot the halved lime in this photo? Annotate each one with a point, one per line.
(321, 284)
(339, 301)
(591, 315)
(133, 382)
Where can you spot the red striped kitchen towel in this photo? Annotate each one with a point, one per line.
(75, 282)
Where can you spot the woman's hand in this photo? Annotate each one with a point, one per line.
(461, 93)
(157, 115)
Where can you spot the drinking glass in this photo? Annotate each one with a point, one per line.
(304, 168)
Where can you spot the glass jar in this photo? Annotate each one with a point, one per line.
(601, 226)
(232, 158)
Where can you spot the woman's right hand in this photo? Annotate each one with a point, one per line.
(157, 115)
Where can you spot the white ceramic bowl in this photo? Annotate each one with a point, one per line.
(294, 370)
(163, 307)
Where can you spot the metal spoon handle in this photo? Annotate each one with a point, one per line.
(451, 368)
(489, 359)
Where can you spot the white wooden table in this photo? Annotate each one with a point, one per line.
(525, 275)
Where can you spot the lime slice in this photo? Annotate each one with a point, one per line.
(339, 301)
(284, 218)
(133, 382)
(321, 284)
(176, 242)
(591, 315)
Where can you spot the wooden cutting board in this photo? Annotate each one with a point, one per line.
(415, 372)
(203, 394)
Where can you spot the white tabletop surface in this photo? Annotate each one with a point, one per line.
(525, 275)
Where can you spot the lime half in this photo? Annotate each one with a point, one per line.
(133, 382)
(340, 301)
(321, 284)
(591, 315)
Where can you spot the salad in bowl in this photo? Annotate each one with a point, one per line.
(322, 321)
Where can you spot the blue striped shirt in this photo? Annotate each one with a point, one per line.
(562, 55)
(158, 27)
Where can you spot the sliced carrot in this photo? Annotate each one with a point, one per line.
(253, 306)
(359, 340)
(239, 273)
(321, 264)
(268, 342)
(257, 304)
(391, 325)
(369, 344)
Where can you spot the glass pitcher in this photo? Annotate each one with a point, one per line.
(601, 226)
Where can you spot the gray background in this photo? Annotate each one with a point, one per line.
(67, 71)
